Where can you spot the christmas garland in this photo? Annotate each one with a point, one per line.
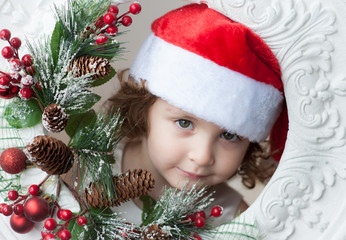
(53, 85)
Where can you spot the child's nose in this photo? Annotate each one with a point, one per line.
(202, 152)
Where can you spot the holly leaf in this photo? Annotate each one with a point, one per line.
(148, 207)
(75, 229)
(78, 121)
(23, 113)
(101, 81)
(55, 42)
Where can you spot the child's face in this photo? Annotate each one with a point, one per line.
(182, 147)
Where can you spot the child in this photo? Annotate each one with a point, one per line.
(202, 92)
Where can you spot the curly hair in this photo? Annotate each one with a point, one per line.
(133, 101)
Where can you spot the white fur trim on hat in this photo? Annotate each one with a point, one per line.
(214, 93)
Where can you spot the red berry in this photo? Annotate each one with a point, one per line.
(198, 238)
(15, 64)
(110, 18)
(1, 206)
(18, 209)
(190, 218)
(30, 70)
(27, 60)
(126, 21)
(27, 81)
(216, 211)
(4, 81)
(200, 222)
(50, 224)
(5, 34)
(7, 210)
(26, 94)
(34, 190)
(49, 236)
(38, 86)
(7, 52)
(82, 221)
(200, 214)
(100, 23)
(101, 39)
(15, 42)
(64, 235)
(113, 9)
(12, 195)
(112, 30)
(135, 8)
(65, 214)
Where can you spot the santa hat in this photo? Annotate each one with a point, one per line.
(215, 68)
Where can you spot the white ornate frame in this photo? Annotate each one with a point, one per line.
(305, 199)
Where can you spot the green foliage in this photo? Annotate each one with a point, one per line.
(55, 43)
(78, 121)
(101, 81)
(106, 225)
(23, 113)
(75, 229)
(148, 206)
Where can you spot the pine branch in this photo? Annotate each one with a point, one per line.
(174, 206)
(7, 183)
(109, 226)
(93, 146)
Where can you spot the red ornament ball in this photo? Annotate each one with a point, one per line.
(126, 21)
(4, 81)
(5, 34)
(21, 224)
(135, 8)
(216, 211)
(13, 160)
(200, 222)
(36, 209)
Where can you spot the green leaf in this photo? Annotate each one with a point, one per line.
(23, 113)
(84, 104)
(75, 229)
(55, 42)
(101, 81)
(78, 121)
(148, 207)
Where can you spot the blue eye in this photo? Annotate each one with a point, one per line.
(232, 137)
(186, 124)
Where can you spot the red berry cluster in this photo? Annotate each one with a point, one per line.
(20, 80)
(50, 225)
(25, 209)
(199, 218)
(110, 22)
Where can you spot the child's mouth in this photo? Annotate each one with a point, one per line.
(190, 175)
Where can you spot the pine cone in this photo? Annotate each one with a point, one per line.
(98, 66)
(154, 232)
(131, 184)
(50, 154)
(54, 118)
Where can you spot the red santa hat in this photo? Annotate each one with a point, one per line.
(201, 61)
